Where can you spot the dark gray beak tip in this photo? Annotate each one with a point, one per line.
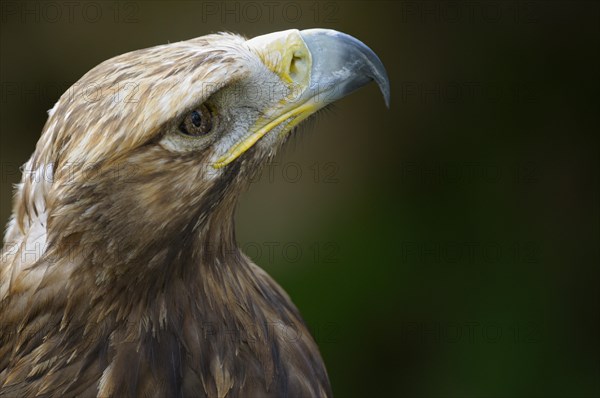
(384, 86)
(344, 61)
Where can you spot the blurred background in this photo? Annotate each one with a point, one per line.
(446, 247)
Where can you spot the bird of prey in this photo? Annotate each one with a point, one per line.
(120, 272)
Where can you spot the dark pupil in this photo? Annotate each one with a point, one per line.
(196, 119)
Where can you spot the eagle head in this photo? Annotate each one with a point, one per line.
(127, 205)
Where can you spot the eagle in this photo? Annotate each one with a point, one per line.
(120, 273)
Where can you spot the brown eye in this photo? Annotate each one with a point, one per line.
(197, 123)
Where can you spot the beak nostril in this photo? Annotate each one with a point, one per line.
(285, 54)
(293, 66)
(298, 68)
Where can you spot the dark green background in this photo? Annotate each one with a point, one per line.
(448, 247)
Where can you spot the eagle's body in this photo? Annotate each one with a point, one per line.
(120, 272)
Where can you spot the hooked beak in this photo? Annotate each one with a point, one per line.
(319, 66)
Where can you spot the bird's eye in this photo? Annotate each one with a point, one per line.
(197, 123)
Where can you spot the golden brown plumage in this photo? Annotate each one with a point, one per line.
(120, 273)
